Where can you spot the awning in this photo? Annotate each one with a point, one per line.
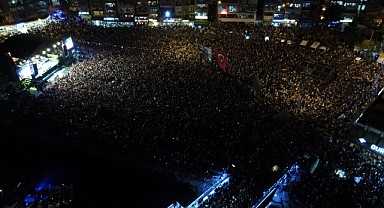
(315, 45)
(304, 43)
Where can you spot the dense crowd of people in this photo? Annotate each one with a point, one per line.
(149, 92)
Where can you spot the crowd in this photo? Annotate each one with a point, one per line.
(149, 92)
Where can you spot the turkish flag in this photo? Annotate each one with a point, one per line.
(221, 59)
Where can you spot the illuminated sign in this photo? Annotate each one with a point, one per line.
(110, 18)
(232, 8)
(201, 16)
(377, 148)
(345, 20)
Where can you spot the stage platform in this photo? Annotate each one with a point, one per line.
(368, 129)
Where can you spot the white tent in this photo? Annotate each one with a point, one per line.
(380, 60)
(304, 43)
(315, 45)
(323, 48)
(356, 48)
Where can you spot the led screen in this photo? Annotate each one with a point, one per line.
(68, 43)
(24, 72)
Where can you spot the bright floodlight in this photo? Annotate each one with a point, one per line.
(275, 168)
(362, 140)
(167, 14)
(358, 179)
(341, 173)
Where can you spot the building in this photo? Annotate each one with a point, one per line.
(139, 12)
(15, 11)
(291, 12)
(241, 11)
(364, 12)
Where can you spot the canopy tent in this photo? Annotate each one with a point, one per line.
(356, 48)
(315, 45)
(323, 48)
(380, 60)
(304, 43)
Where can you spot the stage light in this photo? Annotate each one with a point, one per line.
(358, 179)
(48, 49)
(54, 46)
(362, 140)
(341, 173)
(43, 52)
(275, 168)
(167, 14)
(58, 43)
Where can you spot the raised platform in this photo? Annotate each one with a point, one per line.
(368, 129)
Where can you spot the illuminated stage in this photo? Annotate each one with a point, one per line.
(34, 57)
(368, 129)
(27, 70)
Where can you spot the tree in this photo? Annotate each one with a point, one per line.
(369, 45)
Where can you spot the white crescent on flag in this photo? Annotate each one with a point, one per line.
(221, 57)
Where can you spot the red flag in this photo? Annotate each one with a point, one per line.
(221, 59)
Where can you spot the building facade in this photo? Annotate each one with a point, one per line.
(291, 12)
(363, 12)
(15, 11)
(198, 12)
(242, 11)
(138, 12)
